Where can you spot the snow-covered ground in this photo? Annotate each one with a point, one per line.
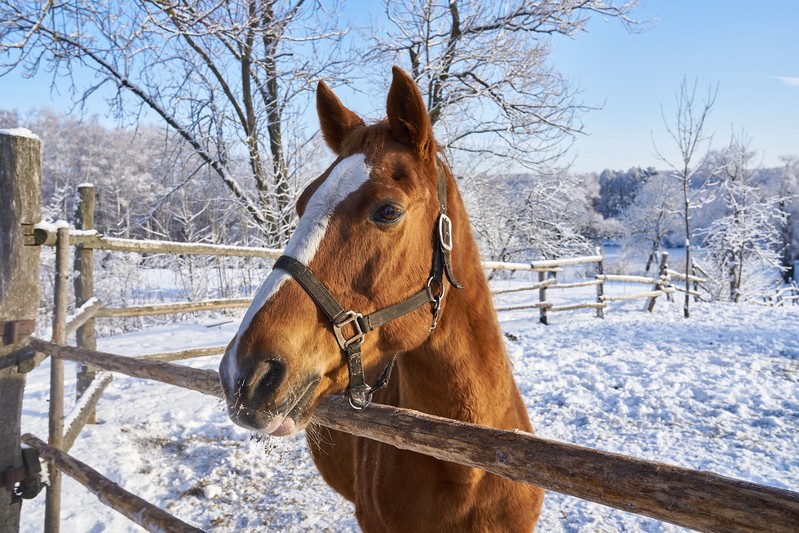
(717, 392)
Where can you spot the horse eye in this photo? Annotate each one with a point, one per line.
(387, 214)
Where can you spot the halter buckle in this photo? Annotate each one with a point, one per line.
(445, 232)
(350, 317)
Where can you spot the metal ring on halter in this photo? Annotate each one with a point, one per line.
(366, 403)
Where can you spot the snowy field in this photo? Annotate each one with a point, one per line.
(717, 392)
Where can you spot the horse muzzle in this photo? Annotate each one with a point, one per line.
(259, 397)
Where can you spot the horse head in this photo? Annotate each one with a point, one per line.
(372, 235)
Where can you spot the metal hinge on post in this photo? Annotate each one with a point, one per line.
(14, 330)
(24, 481)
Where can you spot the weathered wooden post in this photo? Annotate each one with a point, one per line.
(662, 273)
(52, 504)
(20, 185)
(600, 287)
(85, 335)
(542, 297)
(696, 280)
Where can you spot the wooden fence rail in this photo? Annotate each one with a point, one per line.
(689, 498)
(45, 235)
(128, 504)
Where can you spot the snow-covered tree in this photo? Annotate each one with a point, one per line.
(784, 185)
(227, 77)
(651, 219)
(520, 217)
(617, 189)
(743, 244)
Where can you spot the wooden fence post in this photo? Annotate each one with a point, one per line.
(662, 273)
(542, 298)
(600, 288)
(85, 336)
(20, 185)
(696, 282)
(52, 506)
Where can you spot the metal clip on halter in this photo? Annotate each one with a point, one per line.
(350, 317)
(436, 302)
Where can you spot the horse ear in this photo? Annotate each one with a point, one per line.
(407, 116)
(335, 120)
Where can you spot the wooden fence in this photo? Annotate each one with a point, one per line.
(693, 499)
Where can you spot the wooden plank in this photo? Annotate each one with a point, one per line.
(629, 279)
(521, 307)
(577, 284)
(176, 307)
(681, 276)
(547, 283)
(191, 353)
(82, 315)
(695, 499)
(639, 296)
(94, 240)
(185, 377)
(136, 509)
(586, 305)
(500, 265)
(84, 409)
(698, 500)
(567, 261)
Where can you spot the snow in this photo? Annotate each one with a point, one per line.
(19, 132)
(717, 392)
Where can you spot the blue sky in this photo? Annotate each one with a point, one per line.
(750, 49)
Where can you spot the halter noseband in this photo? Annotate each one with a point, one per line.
(360, 393)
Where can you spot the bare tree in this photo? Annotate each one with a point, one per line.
(689, 135)
(483, 66)
(226, 76)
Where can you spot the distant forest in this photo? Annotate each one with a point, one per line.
(149, 185)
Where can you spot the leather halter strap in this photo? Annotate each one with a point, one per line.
(360, 393)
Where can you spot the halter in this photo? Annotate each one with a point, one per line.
(360, 393)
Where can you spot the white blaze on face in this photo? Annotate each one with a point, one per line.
(346, 178)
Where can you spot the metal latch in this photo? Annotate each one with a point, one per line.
(13, 331)
(24, 481)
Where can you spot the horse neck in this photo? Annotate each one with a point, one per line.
(462, 371)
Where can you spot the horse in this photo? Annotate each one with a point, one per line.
(385, 231)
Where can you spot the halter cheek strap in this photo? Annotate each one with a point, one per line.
(358, 325)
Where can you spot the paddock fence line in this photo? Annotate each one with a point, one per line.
(699, 500)
(81, 321)
(521, 462)
(554, 466)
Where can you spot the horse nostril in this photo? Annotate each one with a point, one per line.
(266, 378)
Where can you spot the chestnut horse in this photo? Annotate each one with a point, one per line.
(385, 232)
